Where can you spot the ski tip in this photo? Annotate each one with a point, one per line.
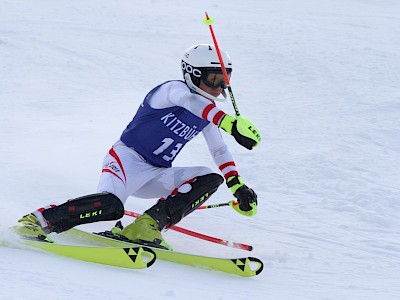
(257, 264)
(248, 266)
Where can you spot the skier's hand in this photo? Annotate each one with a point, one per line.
(246, 197)
(242, 129)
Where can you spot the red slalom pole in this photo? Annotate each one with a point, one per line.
(200, 235)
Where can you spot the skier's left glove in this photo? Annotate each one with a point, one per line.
(246, 197)
(242, 129)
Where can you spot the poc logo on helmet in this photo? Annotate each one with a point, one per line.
(190, 69)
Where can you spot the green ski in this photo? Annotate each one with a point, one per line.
(133, 256)
(247, 266)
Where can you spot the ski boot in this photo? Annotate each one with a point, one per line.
(144, 231)
(29, 227)
(166, 213)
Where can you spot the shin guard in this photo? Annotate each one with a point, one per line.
(83, 210)
(170, 211)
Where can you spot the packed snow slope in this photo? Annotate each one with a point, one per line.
(320, 79)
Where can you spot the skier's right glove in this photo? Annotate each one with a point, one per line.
(242, 129)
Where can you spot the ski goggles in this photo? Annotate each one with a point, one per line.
(214, 78)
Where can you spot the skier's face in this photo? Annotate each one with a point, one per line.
(214, 91)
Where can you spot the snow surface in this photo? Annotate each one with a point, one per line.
(319, 78)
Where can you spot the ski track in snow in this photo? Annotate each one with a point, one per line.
(319, 79)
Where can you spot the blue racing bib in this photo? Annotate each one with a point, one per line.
(160, 134)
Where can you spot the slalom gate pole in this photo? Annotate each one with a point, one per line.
(208, 21)
(200, 235)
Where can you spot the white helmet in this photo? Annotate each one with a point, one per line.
(200, 62)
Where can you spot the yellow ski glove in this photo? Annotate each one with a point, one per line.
(242, 129)
(246, 197)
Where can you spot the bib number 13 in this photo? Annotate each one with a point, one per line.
(165, 144)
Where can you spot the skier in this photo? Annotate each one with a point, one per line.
(139, 164)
